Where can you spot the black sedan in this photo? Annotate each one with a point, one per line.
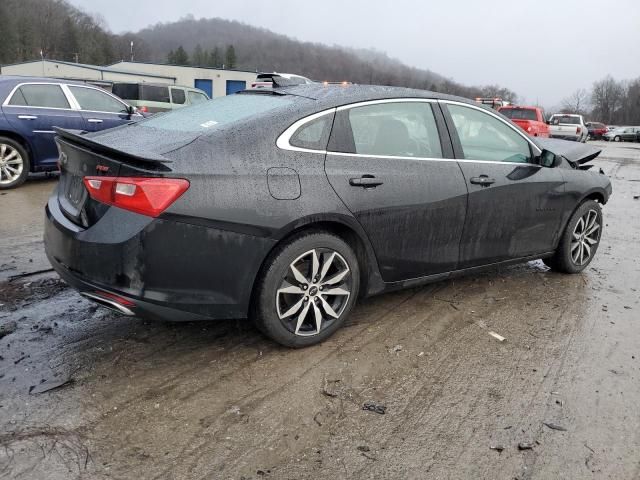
(286, 205)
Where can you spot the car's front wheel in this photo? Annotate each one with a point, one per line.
(307, 289)
(579, 241)
(616, 138)
(14, 163)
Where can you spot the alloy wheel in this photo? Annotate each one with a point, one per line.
(314, 291)
(586, 236)
(11, 164)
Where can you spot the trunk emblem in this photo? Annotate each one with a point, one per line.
(102, 168)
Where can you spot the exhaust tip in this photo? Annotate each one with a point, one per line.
(110, 301)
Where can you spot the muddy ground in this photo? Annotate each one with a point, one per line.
(217, 400)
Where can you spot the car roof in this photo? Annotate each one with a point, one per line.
(331, 95)
(8, 82)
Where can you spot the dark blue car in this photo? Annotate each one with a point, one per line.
(31, 107)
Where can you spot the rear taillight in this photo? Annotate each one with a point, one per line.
(578, 130)
(143, 109)
(145, 195)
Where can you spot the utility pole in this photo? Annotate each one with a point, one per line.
(132, 50)
(76, 56)
(42, 58)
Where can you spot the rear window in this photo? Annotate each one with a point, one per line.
(565, 119)
(214, 113)
(126, 91)
(519, 113)
(43, 95)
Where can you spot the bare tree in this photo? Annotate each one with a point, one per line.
(577, 102)
(607, 96)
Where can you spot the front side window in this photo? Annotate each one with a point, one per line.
(96, 101)
(48, 96)
(177, 96)
(484, 137)
(403, 129)
(196, 97)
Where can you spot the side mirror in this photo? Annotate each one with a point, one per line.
(549, 159)
(131, 110)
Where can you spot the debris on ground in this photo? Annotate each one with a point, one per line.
(329, 388)
(396, 349)
(525, 446)
(373, 407)
(29, 274)
(8, 328)
(496, 336)
(364, 448)
(553, 426)
(497, 448)
(49, 385)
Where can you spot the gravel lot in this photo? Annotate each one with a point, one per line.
(217, 400)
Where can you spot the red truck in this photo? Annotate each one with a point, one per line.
(530, 119)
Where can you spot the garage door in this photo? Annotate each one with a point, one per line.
(234, 86)
(205, 85)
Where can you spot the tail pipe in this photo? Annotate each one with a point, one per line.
(112, 302)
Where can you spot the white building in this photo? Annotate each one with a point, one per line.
(216, 82)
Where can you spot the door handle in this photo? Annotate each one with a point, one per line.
(27, 117)
(365, 181)
(483, 180)
(94, 120)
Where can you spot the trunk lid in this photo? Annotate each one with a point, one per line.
(82, 155)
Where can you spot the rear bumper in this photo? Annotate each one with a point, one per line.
(168, 270)
(565, 137)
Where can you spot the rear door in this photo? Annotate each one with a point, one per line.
(33, 109)
(99, 109)
(515, 205)
(391, 163)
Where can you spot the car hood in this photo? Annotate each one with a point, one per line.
(573, 151)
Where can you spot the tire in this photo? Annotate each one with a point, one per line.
(290, 318)
(616, 138)
(14, 163)
(584, 228)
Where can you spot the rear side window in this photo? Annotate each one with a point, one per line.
(196, 97)
(313, 135)
(154, 93)
(565, 119)
(97, 101)
(210, 115)
(484, 137)
(177, 96)
(403, 129)
(126, 91)
(49, 96)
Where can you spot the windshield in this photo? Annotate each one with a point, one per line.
(219, 111)
(565, 119)
(519, 113)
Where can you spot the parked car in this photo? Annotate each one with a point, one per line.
(154, 98)
(596, 130)
(31, 107)
(623, 134)
(265, 80)
(568, 127)
(530, 119)
(286, 205)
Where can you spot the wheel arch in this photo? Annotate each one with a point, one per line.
(22, 141)
(343, 227)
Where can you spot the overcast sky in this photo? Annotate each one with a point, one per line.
(542, 49)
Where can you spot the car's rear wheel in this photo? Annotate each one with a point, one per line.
(307, 289)
(616, 138)
(580, 240)
(14, 163)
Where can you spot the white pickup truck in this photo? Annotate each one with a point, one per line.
(568, 127)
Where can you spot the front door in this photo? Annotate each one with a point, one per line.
(385, 161)
(99, 109)
(515, 205)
